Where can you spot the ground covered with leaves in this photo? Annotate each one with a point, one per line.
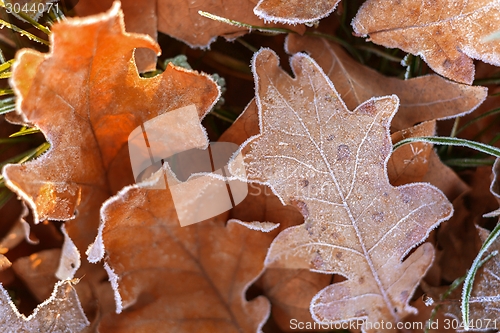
(367, 135)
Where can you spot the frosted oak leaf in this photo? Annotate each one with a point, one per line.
(86, 97)
(445, 33)
(331, 164)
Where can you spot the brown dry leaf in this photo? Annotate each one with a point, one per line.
(180, 19)
(86, 96)
(445, 33)
(331, 164)
(294, 11)
(140, 17)
(200, 272)
(190, 279)
(423, 98)
(61, 312)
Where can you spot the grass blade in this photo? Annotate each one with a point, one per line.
(449, 141)
(23, 32)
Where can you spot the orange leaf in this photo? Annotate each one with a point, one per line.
(446, 34)
(86, 97)
(190, 279)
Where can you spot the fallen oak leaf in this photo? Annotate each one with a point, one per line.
(61, 312)
(86, 97)
(280, 285)
(359, 226)
(190, 262)
(446, 34)
(294, 11)
(290, 290)
(422, 99)
(190, 279)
